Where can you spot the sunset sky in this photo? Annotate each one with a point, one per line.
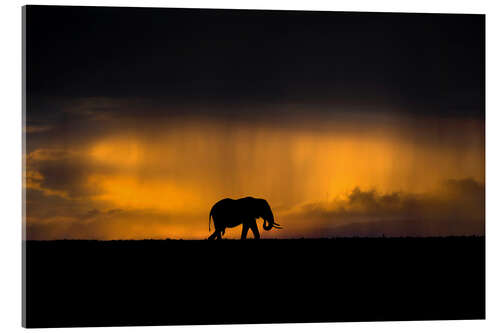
(348, 124)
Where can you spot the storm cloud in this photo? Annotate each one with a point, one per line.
(455, 207)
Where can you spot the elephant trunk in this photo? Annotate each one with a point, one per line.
(269, 223)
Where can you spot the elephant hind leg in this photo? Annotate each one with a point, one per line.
(219, 235)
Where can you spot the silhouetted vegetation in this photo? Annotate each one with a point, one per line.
(162, 282)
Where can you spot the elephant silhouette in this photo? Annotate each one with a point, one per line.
(229, 213)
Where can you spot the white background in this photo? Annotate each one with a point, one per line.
(10, 159)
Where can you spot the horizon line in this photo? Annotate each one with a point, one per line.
(249, 239)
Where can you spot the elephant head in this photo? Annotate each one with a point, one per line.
(264, 211)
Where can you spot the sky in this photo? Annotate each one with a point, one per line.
(348, 124)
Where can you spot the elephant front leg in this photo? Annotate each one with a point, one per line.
(244, 231)
(216, 234)
(255, 229)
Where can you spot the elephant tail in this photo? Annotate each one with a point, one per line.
(209, 219)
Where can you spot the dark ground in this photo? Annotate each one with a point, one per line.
(94, 283)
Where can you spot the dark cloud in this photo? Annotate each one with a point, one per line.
(94, 213)
(274, 68)
(32, 128)
(465, 189)
(61, 172)
(423, 63)
(456, 208)
(83, 121)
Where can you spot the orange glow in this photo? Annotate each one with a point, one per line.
(163, 185)
(128, 192)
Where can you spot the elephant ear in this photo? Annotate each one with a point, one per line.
(267, 212)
